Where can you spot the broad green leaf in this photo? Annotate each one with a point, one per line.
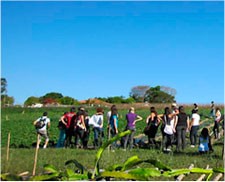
(119, 175)
(75, 177)
(145, 173)
(50, 168)
(218, 170)
(200, 170)
(115, 167)
(45, 177)
(132, 161)
(103, 147)
(77, 164)
(69, 172)
(10, 177)
(158, 164)
(176, 172)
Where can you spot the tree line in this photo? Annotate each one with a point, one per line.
(141, 93)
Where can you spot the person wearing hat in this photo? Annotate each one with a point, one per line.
(97, 121)
(131, 118)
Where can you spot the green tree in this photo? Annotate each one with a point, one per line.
(155, 95)
(51, 97)
(31, 100)
(116, 99)
(129, 100)
(6, 100)
(68, 100)
(3, 86)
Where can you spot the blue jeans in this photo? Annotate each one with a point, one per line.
(193, 134)
(98, 136)
(62, 137)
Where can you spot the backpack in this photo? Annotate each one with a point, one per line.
(40, 124)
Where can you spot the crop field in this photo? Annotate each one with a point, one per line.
(19, 123)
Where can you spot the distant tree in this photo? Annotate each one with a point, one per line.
(155, 95)
(68, 100)
(168, 90)
(102, 98)
(138, 92)
(46, 101)
(50, 98)
(3, 86)
(53, 95)
(116, 99)
(6, 100)
(129, 100)
(32, 100)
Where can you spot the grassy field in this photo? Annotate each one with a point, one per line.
(21, 160)
(18, 121)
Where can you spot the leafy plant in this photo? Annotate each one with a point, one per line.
(129, 170)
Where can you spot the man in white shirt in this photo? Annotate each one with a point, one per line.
(194, 126)
(42, 124)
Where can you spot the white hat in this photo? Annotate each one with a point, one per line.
(174, 104)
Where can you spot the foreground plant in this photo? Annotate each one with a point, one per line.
(129, 170)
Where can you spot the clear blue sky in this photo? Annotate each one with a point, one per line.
(103, 49)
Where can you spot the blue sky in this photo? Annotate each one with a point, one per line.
(103, 49)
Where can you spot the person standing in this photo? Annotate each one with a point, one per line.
(153, 120)
(108, 115)
(194, 126)
(80, 127)
(217, 123)
(62, 131)
(87, 132)
(195, 107)
(113, 127)
(212, 111)
(42, 124)
(168, 130)
(131, 118)
(70, 120)
(97, 121)
(181, 127)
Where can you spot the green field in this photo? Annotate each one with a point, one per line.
(18, 122)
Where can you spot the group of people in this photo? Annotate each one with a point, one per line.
(174, 124)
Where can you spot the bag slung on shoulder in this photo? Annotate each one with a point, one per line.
(40, 124)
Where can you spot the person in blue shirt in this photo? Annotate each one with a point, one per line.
(204, 142)
(113, 124)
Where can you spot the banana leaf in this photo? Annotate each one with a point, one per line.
(50, 168)
(176, 172)
(145, 173)
(115, 167)
(119, 175)
(200, 170)
(103, 147)
(77, 164)
(219, 170)
(158, 164)
(45, 177)
(10, 177)
(132, 161)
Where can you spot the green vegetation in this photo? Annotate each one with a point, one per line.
(61, 164)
